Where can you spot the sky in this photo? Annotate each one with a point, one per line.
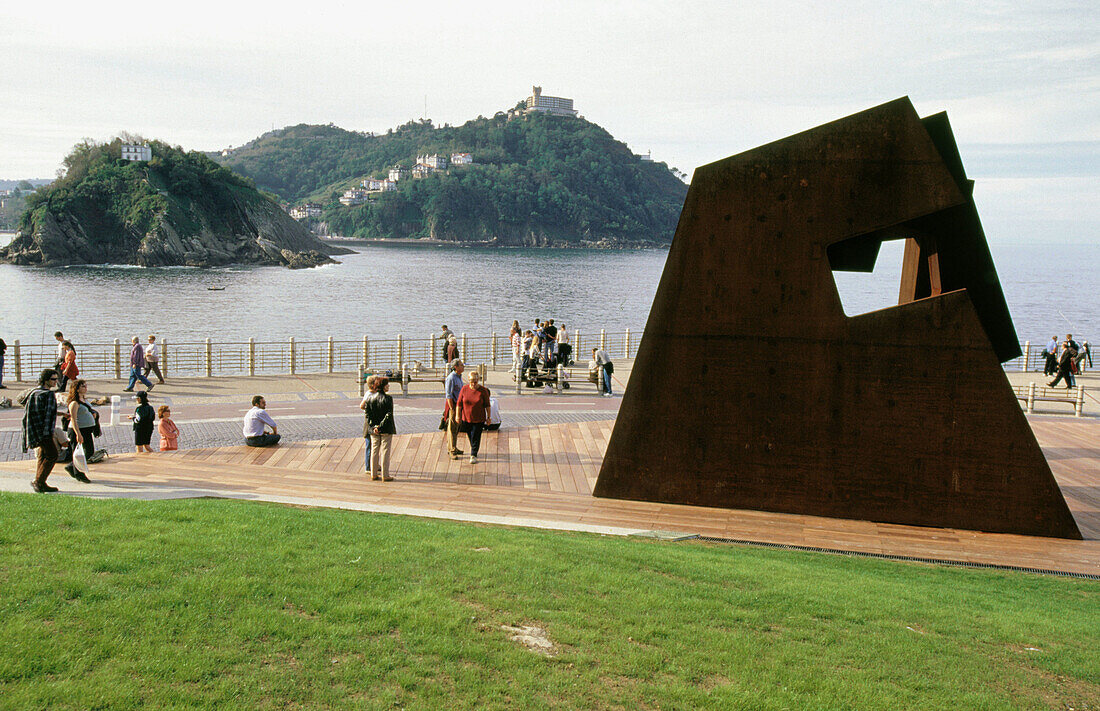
(690, 82)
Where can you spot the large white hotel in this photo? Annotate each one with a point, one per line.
(549, 104)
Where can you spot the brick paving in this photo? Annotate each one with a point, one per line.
(224, 433)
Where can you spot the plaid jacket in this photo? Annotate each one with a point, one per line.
(38, 418)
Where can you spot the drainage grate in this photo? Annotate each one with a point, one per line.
(906, 558)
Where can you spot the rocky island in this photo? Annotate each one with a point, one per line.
(151, 204)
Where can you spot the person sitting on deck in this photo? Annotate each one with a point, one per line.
(254, 425)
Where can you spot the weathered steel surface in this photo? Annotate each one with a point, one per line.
(752, 389)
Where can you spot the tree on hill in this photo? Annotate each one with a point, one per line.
(537, 178)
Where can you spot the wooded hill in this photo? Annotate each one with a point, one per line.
(179, 208)
(536, 180)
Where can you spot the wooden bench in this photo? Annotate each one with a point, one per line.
(1032, 393)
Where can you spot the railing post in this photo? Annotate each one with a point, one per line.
(431, 350)
(405, 379)
(561, 375)
(626, 345)
(293, 364)
(577, 344)
(1027, 356)
(164, 358)
(362, 378)
(519, 376)
(603, 340)
(209, 359)
(400, 350)
(331, 354)
(483, 371)
(118, 360)
(493, 350)
(1079, 406)
(1030, 398)
(18, 358)
(465, 351)
(251, 356)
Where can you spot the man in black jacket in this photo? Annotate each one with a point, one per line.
(38, 422)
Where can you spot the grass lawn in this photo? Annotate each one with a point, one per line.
(224, 604)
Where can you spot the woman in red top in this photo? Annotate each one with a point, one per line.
(473, 407)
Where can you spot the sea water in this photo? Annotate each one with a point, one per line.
(385, 290)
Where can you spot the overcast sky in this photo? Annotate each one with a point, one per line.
(691, 82)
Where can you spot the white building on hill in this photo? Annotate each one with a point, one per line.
(134, 152)
(302, 212)
(434, 161)
(354, 196)
(461, 159)
(549, 104)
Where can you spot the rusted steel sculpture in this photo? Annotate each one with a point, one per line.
(751, 387)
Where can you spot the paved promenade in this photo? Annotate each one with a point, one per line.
(310, 407)
(537, 471)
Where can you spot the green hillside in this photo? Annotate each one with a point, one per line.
(179, 208)
(536, 179)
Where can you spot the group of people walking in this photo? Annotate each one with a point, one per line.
(1065, 359)
(74, 441)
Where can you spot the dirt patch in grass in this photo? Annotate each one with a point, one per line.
(291, 609)
(714, 681)
(532, 637)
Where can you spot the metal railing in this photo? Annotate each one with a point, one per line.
(216, 358)
(1031, 359)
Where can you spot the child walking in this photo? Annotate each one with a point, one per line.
(169, 433)
(143, 418)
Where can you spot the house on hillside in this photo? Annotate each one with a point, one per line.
(306, 211)
(549, 104)
(353, 196)
(421, 170)
(398, 172)
(372, 184)
(433, 161)
(461, 159)
(134, 152)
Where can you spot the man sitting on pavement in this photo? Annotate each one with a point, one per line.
(254, 422)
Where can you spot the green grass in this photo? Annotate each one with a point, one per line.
(223, 604)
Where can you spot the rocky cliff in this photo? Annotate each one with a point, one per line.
(177, 209)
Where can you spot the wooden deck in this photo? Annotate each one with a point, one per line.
(544, 476)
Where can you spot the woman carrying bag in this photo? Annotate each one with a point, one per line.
(82, 425)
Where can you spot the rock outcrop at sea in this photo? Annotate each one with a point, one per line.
(247, 231)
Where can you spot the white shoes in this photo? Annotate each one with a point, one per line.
(473, 459)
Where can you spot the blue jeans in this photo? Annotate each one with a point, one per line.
(606, 380)
(1, 368)
(366, 457)
(135, 375)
